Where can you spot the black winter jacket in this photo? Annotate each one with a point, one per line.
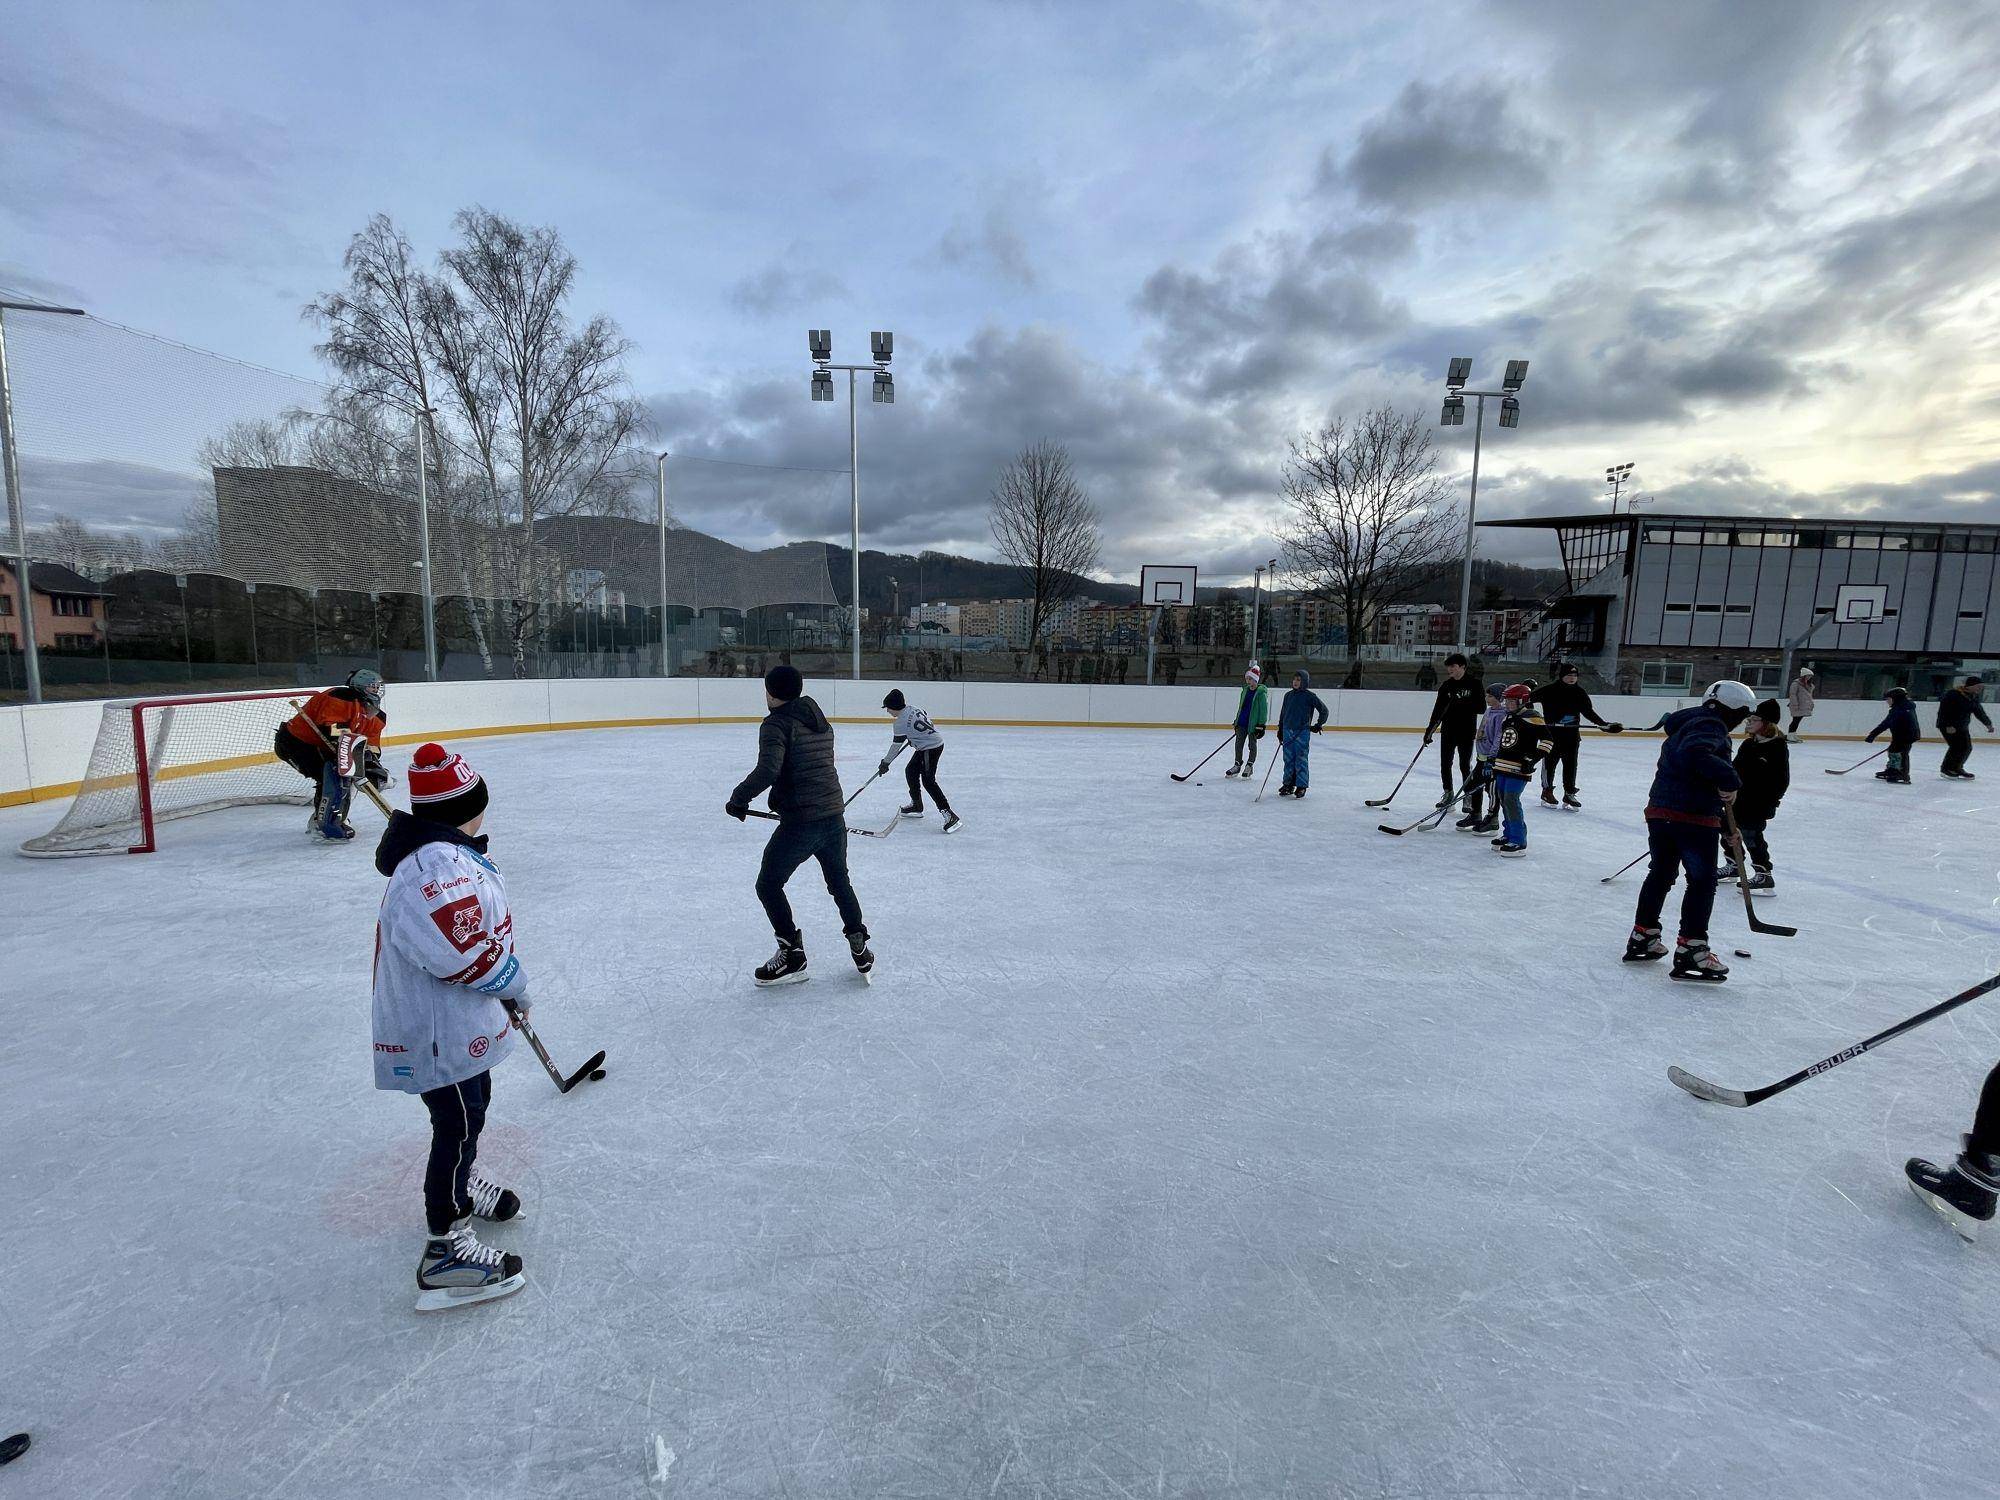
(1458, 707)
(1565, 706)
(795, 761)
(1957, 709)
(1524, 740)
(1694, 769)
(1901, 724)
(1764, 761)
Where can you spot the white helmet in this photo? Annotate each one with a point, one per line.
(1732, 697)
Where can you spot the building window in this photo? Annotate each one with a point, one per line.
(1736, 609)
(1972, 614)
(1666, 676)
(1708, 609)
(6, 605)
(76, 643)
(1759, 676)
(1680, 609)
(75, 605)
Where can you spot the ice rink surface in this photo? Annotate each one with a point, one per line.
(1182, 1147)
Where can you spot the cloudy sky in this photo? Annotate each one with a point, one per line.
(1752, 247)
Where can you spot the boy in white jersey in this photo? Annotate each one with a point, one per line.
(914, 728)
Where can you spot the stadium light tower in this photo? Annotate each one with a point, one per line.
(1617, 476)
(17, 506)
(1460, 371)
(881, 344)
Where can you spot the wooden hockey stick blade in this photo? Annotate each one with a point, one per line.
(1701, 1088)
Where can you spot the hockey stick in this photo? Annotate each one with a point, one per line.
(1435, 817)
(1757, 923)
(866, 833)
(1206, 758)
(592, 1069)
(333, 749)
(1607, 879)
(1857, 765)
(1276, 750)
(1701, 1088)
(1385, 801)
(872, 779)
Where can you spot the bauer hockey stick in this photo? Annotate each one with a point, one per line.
(1206, 758)
(1701, 1088)
(1385, 801)
(333, 749)
(1857, 765)
(866, 833)
(592, 1069)
(1757, 923)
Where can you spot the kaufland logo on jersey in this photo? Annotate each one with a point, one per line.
(431, 892)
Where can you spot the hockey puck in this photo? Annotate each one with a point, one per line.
(13, 1447)
(595, 1074)
(1743, 953)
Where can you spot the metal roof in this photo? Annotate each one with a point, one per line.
(1689, 518)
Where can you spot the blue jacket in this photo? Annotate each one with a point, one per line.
(1694, 769)
(1901, 724)
(1301, 705)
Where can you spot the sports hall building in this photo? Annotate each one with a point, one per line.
(1662, 603)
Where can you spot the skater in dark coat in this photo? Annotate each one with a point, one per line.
(1901, 727)
(1455, 715)
(1964, 1193)
(1764, 761)
(1300, 716)
(1955, 712)
(1692, 784)
(1565, 706)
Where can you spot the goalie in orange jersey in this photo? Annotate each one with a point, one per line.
(351, 717)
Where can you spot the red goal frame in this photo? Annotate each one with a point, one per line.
(142, 768)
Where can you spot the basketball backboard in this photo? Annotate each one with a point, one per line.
(1860, 603)
(1165, 584)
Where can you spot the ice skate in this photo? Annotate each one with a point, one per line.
(1508, 849)
(1445, 801)
(1570, 802)
(490, 1201)
(1235, 770)
(864, 957)
(455, 1270)
(912, 810)
(1644, 946)
(786, 966)
(1696, 961)
(1962, 1194)
(952, 821)
(1298, 793)
(1549, 795)
(1761, 884)
(1284, 789)
(1468, 824)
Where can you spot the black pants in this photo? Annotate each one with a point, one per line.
(458, 1114)
(1455, 740)
(1678, 847)
(922, 768)
(1797, 720)
(1566, 738)
(1986, 1124)
(1958, 747)
(1755, 848)
(307, 760)
(823, 839)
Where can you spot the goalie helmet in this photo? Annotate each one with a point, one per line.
(369, 684)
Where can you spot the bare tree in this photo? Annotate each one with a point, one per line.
(1372, 522)
(1045, 525)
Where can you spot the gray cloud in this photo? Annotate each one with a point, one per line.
(793, 284)
(1443, 144)
(993, 246)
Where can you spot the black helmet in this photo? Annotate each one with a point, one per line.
(368, 683)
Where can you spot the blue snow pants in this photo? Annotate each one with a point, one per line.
(1297, 746)
(1513, 822)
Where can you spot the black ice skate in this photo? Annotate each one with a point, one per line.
(457, 1271)
(864, 958)
(787, 966)
(1761, 884)
(1235, 770)
(1508, 849)
(1549, 795)
(1963, 1194)
(1644, 946)
(1284, 789)
(1297, 793)
(1570, 802)
(1468, 824)
(952, 821)
(1696, 961)
(490, 1201)
(912, 810)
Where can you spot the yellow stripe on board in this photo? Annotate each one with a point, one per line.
(244, 762)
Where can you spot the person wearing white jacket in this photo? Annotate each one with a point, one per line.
(446, 980)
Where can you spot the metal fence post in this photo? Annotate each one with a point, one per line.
(31, 660)
(424, 543)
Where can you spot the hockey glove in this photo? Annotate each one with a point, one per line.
(1315, 729)
(376, 773)
(1258, 733)
(1614, 727)
(882, 769)
(736, 810)
(1428, 737)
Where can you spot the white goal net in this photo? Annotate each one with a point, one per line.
(161, 758)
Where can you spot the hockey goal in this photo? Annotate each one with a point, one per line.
(161, 758)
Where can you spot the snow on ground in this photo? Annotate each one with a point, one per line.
(1183, 1146)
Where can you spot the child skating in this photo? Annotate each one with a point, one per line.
(1300, 716)
(1479, 818)
(1253, 706)
(1764, 762)
(1900, 724)
(1523, 741)
(914, 728)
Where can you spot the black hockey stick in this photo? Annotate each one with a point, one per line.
(866, 833)
(1206, 758)
(881, 771)
(1757, 923)
(1857, 765)
(1607, 879)
(1385, 801)
(1435, 817)
(592, 1069)
(1275, 752)
(1701, 1088)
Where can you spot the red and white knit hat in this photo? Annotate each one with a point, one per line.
(443, 788)
(1254, 675)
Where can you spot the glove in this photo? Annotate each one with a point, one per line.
(1428, 737)
(372, 768)
(1614, 727)
(882, 769)
(1315, 729)
(1258, 734)
(736, 810)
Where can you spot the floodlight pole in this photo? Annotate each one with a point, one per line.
(854, 521)
(17, 506)
(1256, 599)
(424, 544)
(1471, 510)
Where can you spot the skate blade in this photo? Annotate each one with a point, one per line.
(442, 1299)
(914, 817)
(956, 826)
(1962, 1224)
(1698, 978)
(866, 976)
(799, 977)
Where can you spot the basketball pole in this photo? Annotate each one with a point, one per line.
(1152, 639)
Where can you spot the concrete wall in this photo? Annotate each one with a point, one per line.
(45, 750)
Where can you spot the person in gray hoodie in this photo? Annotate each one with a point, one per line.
(795, 765)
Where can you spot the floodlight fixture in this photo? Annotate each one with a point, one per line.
(822, 385)
(885, 388)
(882, 344)
(820, 341)
(1510, 412)
(1517, 374)
(1454, 412)
(1459, 372)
